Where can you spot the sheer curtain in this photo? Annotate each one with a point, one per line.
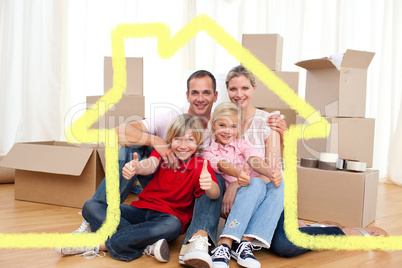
(50, 63)
(30, 71)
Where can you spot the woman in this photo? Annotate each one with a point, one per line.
(241, 86)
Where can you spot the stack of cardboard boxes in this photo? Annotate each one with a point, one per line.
(338, 92)
(268, 48)
(131, 107)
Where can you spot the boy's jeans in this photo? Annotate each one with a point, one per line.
(206, 211)
(137, 229)
(255, 212)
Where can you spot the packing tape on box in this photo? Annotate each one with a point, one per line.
(309, 162)
(326, 165)
(329, 157)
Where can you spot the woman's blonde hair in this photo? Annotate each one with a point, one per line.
(237, 71)
(227, 109)
(181, 124)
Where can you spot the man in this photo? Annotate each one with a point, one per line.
(142, 135)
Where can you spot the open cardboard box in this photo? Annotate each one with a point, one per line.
(351, 138)
(55, 172)
(338, 90)
(349, 198)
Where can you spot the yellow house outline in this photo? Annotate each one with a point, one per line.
(79, 132)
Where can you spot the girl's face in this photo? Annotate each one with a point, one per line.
(240, 91)
(185, 146)
(226, 129)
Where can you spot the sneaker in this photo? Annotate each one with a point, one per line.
(84, 228)
(221, 256)
(86, 252)
(195, 253)
(243, 253)
(159, 250)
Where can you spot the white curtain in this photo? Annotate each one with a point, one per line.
(51, 62)
(29, 71)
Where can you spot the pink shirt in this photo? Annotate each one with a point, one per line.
(237, 153)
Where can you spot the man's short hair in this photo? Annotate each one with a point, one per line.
(200, 74)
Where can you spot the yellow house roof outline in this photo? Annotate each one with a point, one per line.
(167, 46)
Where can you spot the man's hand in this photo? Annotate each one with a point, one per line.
(130, 168)
(205, 177)
(169, 158)
(229, 198)
(243, 178)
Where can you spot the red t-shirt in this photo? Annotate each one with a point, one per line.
(174, 192)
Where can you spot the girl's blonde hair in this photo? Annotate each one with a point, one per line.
(179, 126)
(227, 109)
(237, 71)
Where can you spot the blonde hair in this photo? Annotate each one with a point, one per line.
(237, 71)
(181, 124)
(227, 109)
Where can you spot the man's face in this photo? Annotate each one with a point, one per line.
(201, 96)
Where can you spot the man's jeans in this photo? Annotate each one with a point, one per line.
(255, 212)
(125, 156)
(137, 229)
(284, 248)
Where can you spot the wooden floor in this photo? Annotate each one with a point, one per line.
(22, 217)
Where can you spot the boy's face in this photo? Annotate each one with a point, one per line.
(226, 129)
(185, 146)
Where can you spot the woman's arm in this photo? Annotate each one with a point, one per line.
(273, 157)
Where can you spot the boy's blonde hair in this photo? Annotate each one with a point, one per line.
(179, 126)
(227, 109)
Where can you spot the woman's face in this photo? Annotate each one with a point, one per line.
(240, 91)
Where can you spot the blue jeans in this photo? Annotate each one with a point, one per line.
(206, 214)
(284, 248)
(255, 212)
(137, 229)
(125, 156)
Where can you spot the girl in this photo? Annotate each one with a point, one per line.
(165, 206)
(238, 162)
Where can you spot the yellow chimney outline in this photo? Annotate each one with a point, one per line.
(79, 132)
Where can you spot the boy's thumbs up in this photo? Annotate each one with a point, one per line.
(135, 156)
(205, 177)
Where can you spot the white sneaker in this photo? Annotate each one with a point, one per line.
(86, 252)
(159, 250)
(84, 228)
(195, 253)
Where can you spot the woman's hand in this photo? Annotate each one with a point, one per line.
(276, 123)
(229, 198)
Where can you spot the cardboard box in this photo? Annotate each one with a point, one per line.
(265, 98)
(267, 48)
(338, 90)
(290, 115)
(351, 138)
(135, 75)
(55, 172)
(349, 198)
(128, 109)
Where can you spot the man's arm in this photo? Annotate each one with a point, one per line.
(137, 134)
